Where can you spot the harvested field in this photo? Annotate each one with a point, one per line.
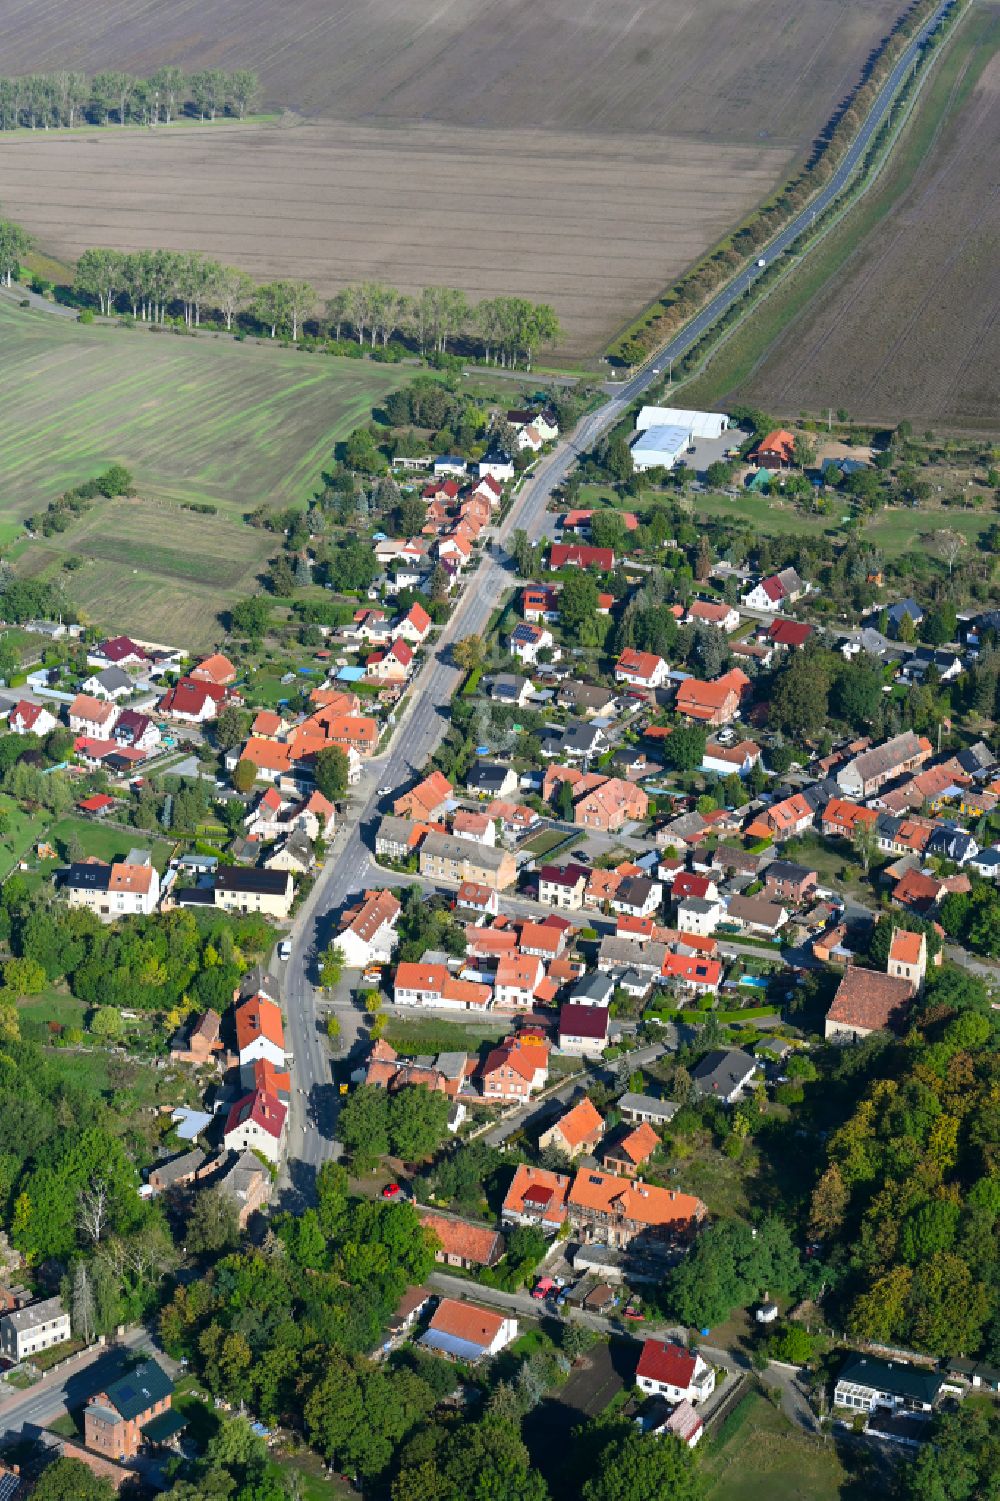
(595, 225)
(909, 324)
(724, 70)
(194, 419)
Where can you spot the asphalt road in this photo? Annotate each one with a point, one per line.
(349, 867)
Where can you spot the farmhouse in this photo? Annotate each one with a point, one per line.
(578, 1131)
(867, 773)
(867, 1001)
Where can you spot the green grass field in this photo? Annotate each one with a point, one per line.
(106, 843)
(762, 1456)
(20, 832)
(201, 419)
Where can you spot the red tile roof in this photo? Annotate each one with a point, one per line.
(669, 1363)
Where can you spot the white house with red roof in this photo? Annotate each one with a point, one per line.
(117, 651)
(31, 719)
(776, 591)
(392, 665)
(415, 625)
(641, 669)
(256, 1123)
(191, 701)
(668, 1370)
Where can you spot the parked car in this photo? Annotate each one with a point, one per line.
(285, 949)
(391, 1191)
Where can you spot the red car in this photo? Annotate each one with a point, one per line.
(391, 1191)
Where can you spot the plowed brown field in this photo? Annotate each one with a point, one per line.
(721, 69)
(910, 326)
(596, 227)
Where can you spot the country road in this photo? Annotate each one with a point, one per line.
(349, 866)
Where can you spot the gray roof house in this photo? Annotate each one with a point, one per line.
(724, 1073)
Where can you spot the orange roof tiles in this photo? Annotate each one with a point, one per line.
(259, 1017)
(478, 1243)
(584, 1123)
(625, 1198)
(467, 1321)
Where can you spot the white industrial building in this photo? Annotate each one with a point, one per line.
(698, 424)
(660, 447)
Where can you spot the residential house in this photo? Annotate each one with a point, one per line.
(587, 699)
(868, 772)
(629, 1149)
(726, 759)
(445, 858)
(903, 609)
(786, 882)
(137, 730)
(27, 718)
(256, 1123)
(692, 972)
(203, 1042)
(710, 612)
(583, 1029)
(699, 916)
(918, 892)
(515, 819)
(515, 1068)
(575, 555)
(191, 702)
(247, 1182)
(512, 689)
(477, 901)
(724, 1074)
(517, 980)
(118, 1420)
(618, 1211)
(415, 626)
(575, 1133)
(527, 641)
(714, 703)
(392, 665)
(462, 1243)
(908, 957)
(868, 1001)
(126, 888)
(113, 683)
(641, 669)
(215, 669)
(260, 1032)
(118, 651)
(432, 985)
(466, 1332)
(562, 886)
(269, 892)
(775, 451)
(537, 1197)
(950, 843)
(867, 1382)
(783, 820)
(638, 1108)
(547, 940)
(776, 591)
(842, 818)
(26, 1331)
(478, 827)
(637, 896)
(293, 853)
(610, 804)
(429, 800)
(540, 604)
(669, 1370)
(489, 779)
(370, 936)
(754, 914)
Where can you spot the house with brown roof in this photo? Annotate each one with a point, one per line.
(918, 892)
(562, 886)
(215, 669)
(617, 1211)
(713, 703)
(516, 1068)
(464, 1331)
(444, 857)
(867, 773)
(787, 882)
(868, 1001)
(204, 1041)
(630, 1149)
(370, 934)
(576, 1132)
(536, 1197)
(611, 804)
(462, 1243)
(583, 1030)
(710, 612)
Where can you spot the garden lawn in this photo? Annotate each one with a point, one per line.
(762, 1457)
(105, 842)
(21, 832)
(410, 1037)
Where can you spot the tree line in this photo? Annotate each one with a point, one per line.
(38, 101)
(149, 283)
